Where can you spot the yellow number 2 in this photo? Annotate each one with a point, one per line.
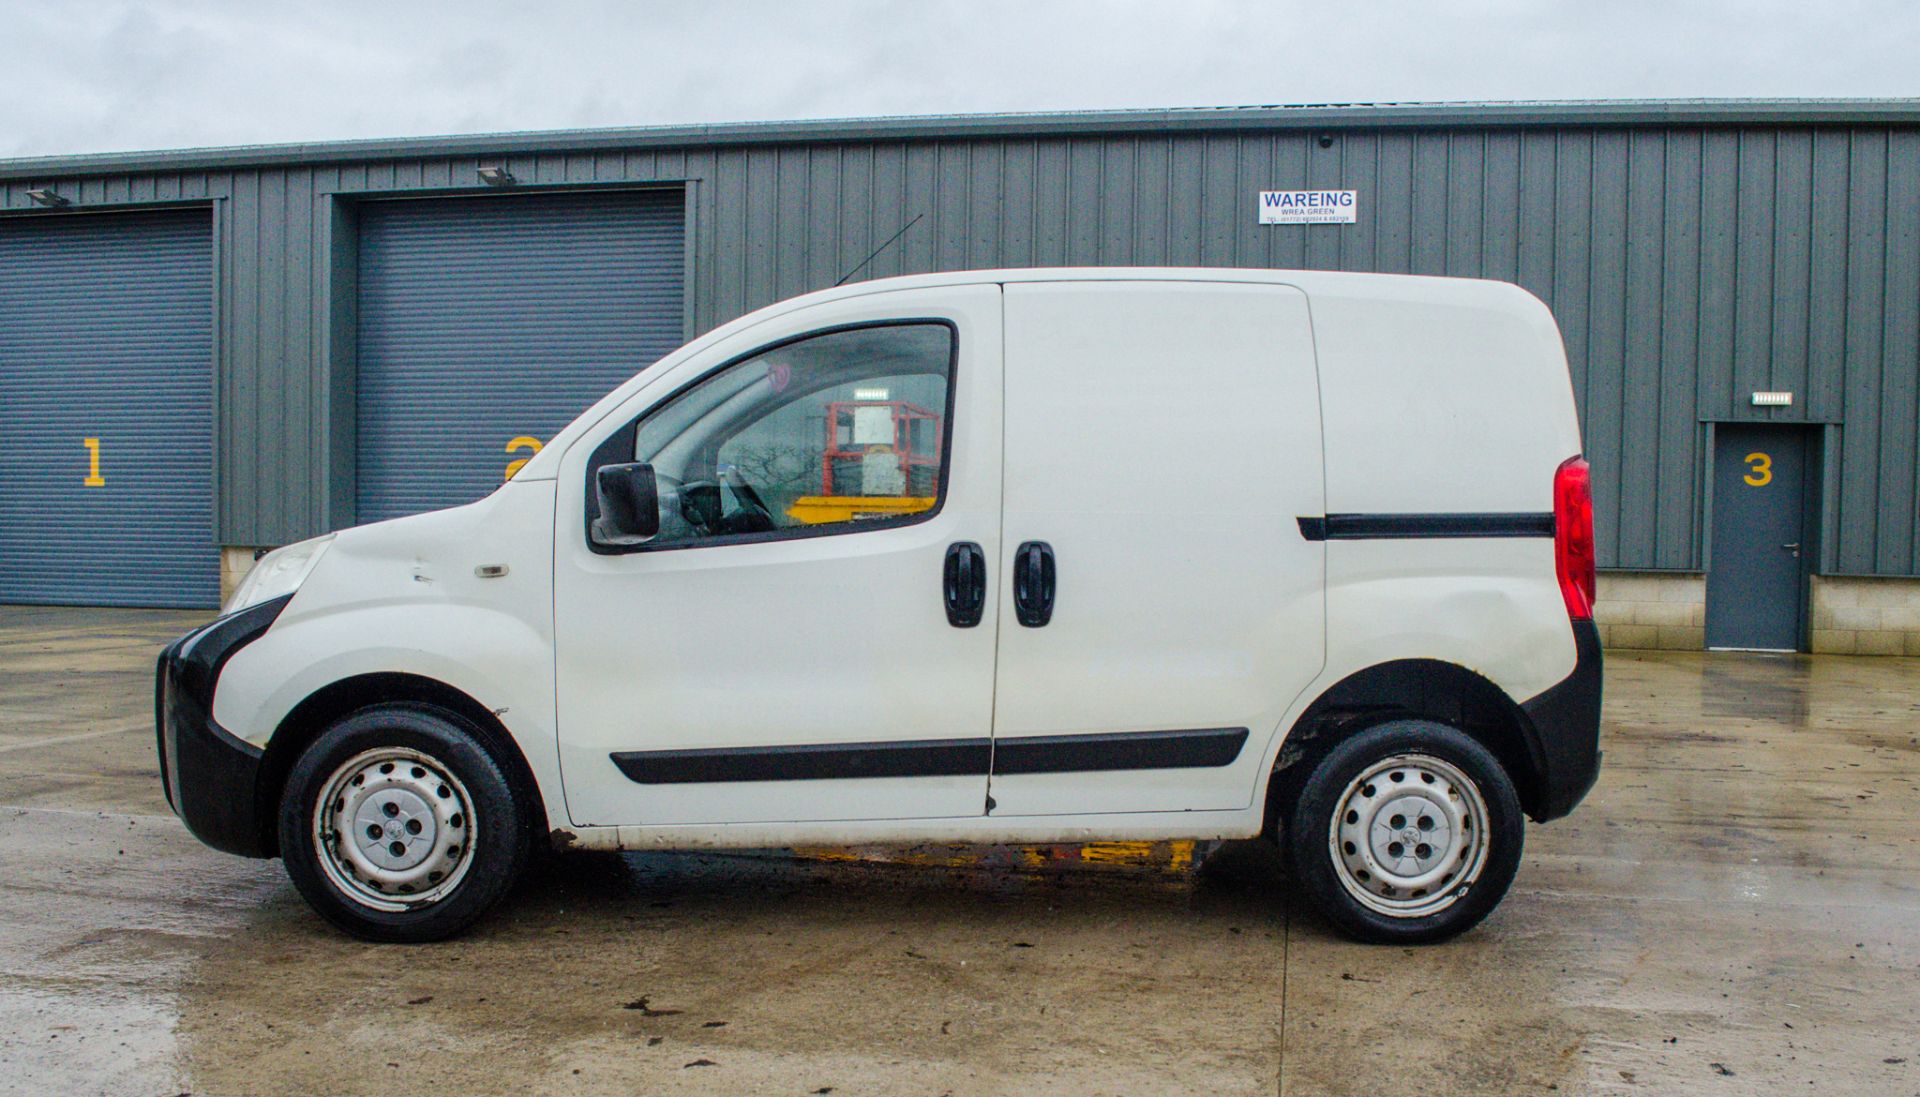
(1759, 470)
(520, 443)
(94, 479)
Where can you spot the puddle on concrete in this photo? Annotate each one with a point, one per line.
(1748, 686)
(59, 1035)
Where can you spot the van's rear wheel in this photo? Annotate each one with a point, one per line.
(398, 825)
(1409, 831)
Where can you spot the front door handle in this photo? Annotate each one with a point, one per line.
(1793, 547)
(964, 584)
(1033, 583)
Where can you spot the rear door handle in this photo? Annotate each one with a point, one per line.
(964, 584)
(1034, 581)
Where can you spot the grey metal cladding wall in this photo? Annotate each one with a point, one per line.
(106, 332)
(483, 320)
(1687, 267)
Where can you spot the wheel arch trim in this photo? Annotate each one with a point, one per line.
(1423, 688)
(339, 699)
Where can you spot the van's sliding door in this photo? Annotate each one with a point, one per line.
(1159, 607)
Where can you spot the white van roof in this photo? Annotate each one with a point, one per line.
(1346, 282)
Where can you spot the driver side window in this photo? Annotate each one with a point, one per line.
(827, 433)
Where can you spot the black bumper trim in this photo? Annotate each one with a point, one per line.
(1563, 728)
(210, 775)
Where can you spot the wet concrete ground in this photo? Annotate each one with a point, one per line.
(1733, 910)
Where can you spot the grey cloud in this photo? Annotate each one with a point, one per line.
(119, 74)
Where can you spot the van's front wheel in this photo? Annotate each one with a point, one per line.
(396, 824)
(1409, 831)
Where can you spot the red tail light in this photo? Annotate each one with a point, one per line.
(1573, 536)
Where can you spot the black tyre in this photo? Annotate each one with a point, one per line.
(397, 824)
(1406, 832)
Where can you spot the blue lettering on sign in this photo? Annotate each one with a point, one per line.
(1308, 207)
(1289, 199)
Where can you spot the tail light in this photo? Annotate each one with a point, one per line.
(1573, 536)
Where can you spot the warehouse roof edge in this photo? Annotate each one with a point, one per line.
(1331, 116)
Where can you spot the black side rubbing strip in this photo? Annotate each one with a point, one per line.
(814, 762)
(937, 757)
(1372, 527)
(1125, 750)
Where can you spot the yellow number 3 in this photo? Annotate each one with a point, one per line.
(518, 444)
(1759, 470)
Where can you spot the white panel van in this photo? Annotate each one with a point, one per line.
(997, 556)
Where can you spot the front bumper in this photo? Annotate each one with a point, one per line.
(211, 776)
(1564, 729)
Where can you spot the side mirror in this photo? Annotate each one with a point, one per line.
(629, 504)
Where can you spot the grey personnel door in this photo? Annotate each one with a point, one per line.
(1756, 579)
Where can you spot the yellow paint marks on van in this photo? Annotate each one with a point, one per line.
(1169, 857)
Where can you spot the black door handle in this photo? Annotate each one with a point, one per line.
(1033, 583)
(964, 583)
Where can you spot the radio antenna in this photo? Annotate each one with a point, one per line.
(881, 248)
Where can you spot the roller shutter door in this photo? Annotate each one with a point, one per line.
(489, 320)
(106, 334)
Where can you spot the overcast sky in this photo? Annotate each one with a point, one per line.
(104, 75)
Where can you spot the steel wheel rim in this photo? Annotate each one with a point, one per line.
(1409, 838)
(393, 829)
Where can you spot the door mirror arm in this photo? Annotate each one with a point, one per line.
(629, 499)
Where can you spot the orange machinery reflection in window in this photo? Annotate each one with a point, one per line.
(882, 459)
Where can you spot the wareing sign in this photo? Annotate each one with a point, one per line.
(1309, 207)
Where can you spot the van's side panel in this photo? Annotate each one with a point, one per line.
(403, 597)
(1445, 398)
(1441, 395)
(1489, 605)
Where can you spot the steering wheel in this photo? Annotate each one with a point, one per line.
(704, 507)
(752, 504)
(700, 506)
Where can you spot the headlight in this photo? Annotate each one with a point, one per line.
(278, 572)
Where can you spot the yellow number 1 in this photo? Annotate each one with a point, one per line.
(94, 479)
(1761, 467)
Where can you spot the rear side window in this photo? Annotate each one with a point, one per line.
(832, 432)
